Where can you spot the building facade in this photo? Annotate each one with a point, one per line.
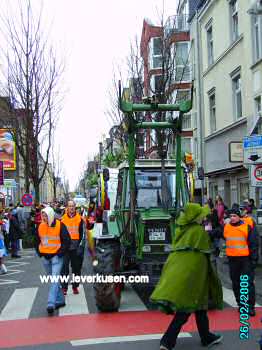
(176, 32)
(227, 62)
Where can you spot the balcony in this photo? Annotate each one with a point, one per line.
(176, 24)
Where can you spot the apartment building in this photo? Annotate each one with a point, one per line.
(227, 61)
(175, 32)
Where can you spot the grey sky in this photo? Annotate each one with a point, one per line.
(93, 36)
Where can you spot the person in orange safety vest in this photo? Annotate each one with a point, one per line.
(247, 217)
(76, 228)
(242, 252)
(53, 241)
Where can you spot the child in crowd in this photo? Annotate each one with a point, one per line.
(3, 252)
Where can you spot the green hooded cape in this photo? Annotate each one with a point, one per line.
(188, 281)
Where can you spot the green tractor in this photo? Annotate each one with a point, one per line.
(134, 235)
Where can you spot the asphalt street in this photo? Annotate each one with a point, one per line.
(24, 323)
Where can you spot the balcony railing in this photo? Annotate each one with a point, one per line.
(177, 23)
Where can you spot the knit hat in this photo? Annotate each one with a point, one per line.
(235, 211)
(192, 212)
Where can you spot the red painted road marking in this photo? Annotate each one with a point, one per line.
(50, 330)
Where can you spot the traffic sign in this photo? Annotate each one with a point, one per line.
(252, 146)
(256, 175)
(27, 200)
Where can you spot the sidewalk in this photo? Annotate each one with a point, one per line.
(223, 272)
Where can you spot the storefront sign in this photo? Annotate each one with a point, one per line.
(7, 150)
(236, 154)
(9, 183)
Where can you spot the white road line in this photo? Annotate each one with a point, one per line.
(4, 281)
(75, 303)
(229, 298)
(19, 305)
(130, 301)
(122, 339)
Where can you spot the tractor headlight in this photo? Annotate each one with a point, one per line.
(168, 248)
(146, 248)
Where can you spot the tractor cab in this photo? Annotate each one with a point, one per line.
(148, 246)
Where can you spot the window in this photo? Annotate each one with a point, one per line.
(140, 139)
(145, 141)
(234, 19)
(237, 96)
(258, 105)
(157, 84)
(182, 67)
(177, 97)
(257, 37)
(210, 45)
(186, 144)
(212, 111)
(156, 53)
(243, 190)
(153, 137)
(182, 95)
(149, 188)
(213, 190)
(186, 122)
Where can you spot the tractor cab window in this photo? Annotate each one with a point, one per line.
(148, 186)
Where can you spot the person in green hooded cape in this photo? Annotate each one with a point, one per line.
(188, 282)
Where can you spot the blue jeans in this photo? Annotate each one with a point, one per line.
(53, 267)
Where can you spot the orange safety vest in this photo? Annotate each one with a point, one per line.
(249, 221)
(72, 225)
(50, 238)
(236, 240)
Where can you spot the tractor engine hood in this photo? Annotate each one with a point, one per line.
(154, 214)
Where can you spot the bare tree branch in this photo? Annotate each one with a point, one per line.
(32, 77)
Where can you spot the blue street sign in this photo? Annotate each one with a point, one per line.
(252, 141)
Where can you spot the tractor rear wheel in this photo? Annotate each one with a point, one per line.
(107, 295)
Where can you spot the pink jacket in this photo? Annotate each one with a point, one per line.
(220, 212)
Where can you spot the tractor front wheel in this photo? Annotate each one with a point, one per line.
(107, 295)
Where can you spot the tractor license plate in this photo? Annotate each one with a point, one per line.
(157, 235)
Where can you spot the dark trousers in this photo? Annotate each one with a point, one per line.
(180, 318)
(7, 241)
(240, 265)
(76, 264)
(14, 247)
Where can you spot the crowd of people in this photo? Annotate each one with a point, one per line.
(61, 234)
(199, 237)
(12, 229)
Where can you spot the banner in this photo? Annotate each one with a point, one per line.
(7, 150)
